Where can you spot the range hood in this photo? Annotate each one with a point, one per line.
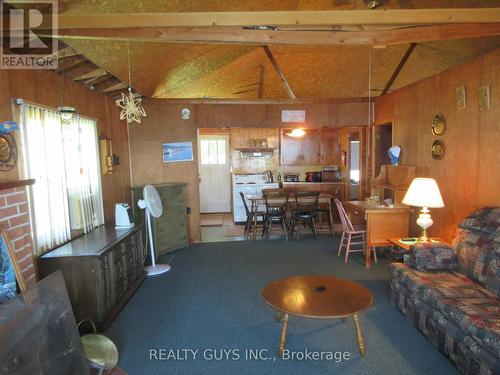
(257, 152)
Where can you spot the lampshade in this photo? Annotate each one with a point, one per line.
(423, 192)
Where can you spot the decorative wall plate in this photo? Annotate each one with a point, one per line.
(185, 113)
(438, 149)
(438, 125)
(8, 152)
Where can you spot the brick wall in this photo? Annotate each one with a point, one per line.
(14, 217)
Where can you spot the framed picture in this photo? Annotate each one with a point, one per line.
(178, 151)
(9, 270)
(461, 97)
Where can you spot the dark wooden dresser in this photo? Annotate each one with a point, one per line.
(102, 269)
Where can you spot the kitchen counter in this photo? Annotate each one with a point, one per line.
(313, 183)
(336, 188)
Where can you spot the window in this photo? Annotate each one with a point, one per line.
(62, 158)
(213, 151)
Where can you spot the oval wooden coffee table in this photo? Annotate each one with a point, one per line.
(321, 297)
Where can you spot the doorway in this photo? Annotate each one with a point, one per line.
(354, 165)
(215, 173)
(382, 142)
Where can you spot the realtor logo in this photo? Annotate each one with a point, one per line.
(27, 27)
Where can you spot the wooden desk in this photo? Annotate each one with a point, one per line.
(382, 223)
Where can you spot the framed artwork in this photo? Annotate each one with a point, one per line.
(293, 116)
(178, 151)
(9, 270)
(461, 97)
(484, 97)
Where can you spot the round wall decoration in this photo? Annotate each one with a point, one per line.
(8, 152)
(438, 125)
(185, 113)
(438, 150)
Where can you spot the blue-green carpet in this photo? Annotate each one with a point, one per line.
(210, 301)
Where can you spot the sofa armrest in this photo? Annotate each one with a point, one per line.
(435, 256)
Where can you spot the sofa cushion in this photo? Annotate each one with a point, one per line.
(486, 220)
(431, 256)
(473, 308)
(478, 255)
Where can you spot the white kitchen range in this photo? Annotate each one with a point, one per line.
(249, 184)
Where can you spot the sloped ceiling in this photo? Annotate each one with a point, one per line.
(176, 70)
(165, 70)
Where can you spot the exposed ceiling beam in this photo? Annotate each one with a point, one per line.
(398, 69)
(99, 72)
(233, 35)
(118, 86)
(276, 67)
(253, 101)
(281, 18)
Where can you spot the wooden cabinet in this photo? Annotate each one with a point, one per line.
(170, 230)
(101, 269)
(316, 147)
(241, 137)
(300, 150)
(329, 153)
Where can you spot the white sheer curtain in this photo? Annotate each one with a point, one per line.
(63, 159)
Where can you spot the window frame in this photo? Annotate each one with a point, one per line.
(24, 170)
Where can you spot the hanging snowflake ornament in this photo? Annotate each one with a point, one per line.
(132, 109)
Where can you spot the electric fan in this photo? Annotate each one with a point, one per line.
(153, 209)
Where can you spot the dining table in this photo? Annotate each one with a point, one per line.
(257, 200)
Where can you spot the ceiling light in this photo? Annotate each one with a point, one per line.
(66, 113)
(297, 133)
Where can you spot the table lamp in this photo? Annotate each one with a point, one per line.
(424, 192)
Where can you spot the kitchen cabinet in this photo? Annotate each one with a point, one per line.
(300, 150)
(239, 138)
(101, 270)
(329, 153)
(316, 147)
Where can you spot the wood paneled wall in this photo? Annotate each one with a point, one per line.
(469, 173)
(44, 87)
(164, 124)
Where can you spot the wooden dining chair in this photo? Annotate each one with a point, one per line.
(306, 204)
(349, 232)
(250, 215)
(276, 208)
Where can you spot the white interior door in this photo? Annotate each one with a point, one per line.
(215, 176)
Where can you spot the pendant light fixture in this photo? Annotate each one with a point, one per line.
(132, 109)
(296, 133)
(66, 112)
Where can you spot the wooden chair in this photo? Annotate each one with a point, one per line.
(276, 207)
(349, 232)
(250, 215)
(306, 204)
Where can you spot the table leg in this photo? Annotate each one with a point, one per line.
(359, 336)
(367, 256)
(254, 211)
(279, 315)
(281, 346)
(330, 212)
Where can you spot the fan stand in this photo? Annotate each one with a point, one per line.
(154, 269)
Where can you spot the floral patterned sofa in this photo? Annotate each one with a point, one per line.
(457, 308)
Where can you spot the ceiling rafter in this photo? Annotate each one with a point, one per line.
(400, 67)
(281, 18)
(239, 36)
(278, 70)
